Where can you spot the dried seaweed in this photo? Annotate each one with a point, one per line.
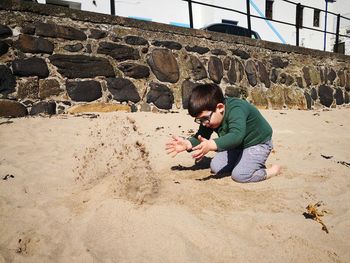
(315, 214)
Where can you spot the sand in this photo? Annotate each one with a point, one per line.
(100, 188)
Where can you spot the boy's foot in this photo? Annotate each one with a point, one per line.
(273, 171)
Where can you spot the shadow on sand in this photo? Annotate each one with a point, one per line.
(201, 165)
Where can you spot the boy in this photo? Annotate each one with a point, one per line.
(244, 136)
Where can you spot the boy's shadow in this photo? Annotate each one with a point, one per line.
(201, 165)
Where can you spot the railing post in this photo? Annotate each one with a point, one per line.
(336, 50)
(112, 7)
(190, 12)
(248, 18)
(325, 28)
(297, 22)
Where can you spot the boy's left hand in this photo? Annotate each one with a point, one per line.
(203, 148)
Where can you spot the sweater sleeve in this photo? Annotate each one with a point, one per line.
(237, 125)
(202, 131)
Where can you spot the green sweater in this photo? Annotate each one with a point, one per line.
(242, 126)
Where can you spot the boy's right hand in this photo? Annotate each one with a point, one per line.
(177, 145)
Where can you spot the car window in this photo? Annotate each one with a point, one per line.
(237, 31)
(218, 28)
(233, 30)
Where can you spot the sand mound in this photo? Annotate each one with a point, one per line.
(127, 166)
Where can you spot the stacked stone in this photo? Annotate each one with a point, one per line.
(48, 67)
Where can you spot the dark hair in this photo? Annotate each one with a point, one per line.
(204, 97)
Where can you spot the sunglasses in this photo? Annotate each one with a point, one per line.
(204, 120)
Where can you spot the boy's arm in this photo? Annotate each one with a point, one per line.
(236, 131)
(202, 131)
(203, 148)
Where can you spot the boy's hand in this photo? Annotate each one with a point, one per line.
(177, 145)
(203, 148)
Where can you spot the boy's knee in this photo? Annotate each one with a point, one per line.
(215, 167)
(245, 177)
(239, 177)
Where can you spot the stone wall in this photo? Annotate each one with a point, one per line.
(54, 59)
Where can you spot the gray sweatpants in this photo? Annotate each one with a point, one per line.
(245, 165)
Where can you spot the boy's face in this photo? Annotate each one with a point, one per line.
(211, 119)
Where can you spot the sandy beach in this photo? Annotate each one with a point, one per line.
(100, 188)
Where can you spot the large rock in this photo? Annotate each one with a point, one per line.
(28, 88)
(278, 62)
(276, 97)
(326, 95)
(251, 72)
(347, 83)
(43, 107)
(341, 78)
(118, 51)
(30, 44)
(134, 70)
(186, 90)
(4, 47)
(309, 101)
(196, 68)
(346, 97)
(313, 94)
(331, 76)
(227, 63)
(306, 75)
(135, 40)
(218, 52)
(274, 75)
(7, 80)
(231, 74)
(323, 74)
(233, 91)
(164, 65)
(30, 67)
(259, 98)
(97, 34)
(294, 98)
(263, 74)
(80, 66)
(286, 79)
(215, 69)
(240, 53)
(28, 29)
(315, 77)
(74, 48)
(167, 44)
(197, 49)
(123, 90)
(339, 96)
(235, 73)
(10, 108)
(57, 31)
(5, 31)
(49, 88)
(237, 92)
(161, 96)
(89, 90)
(300, 82)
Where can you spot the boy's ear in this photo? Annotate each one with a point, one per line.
(220, 107)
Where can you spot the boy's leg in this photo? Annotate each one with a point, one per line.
(251, 166)
(225, 161)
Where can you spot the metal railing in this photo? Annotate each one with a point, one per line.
(297, 24)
